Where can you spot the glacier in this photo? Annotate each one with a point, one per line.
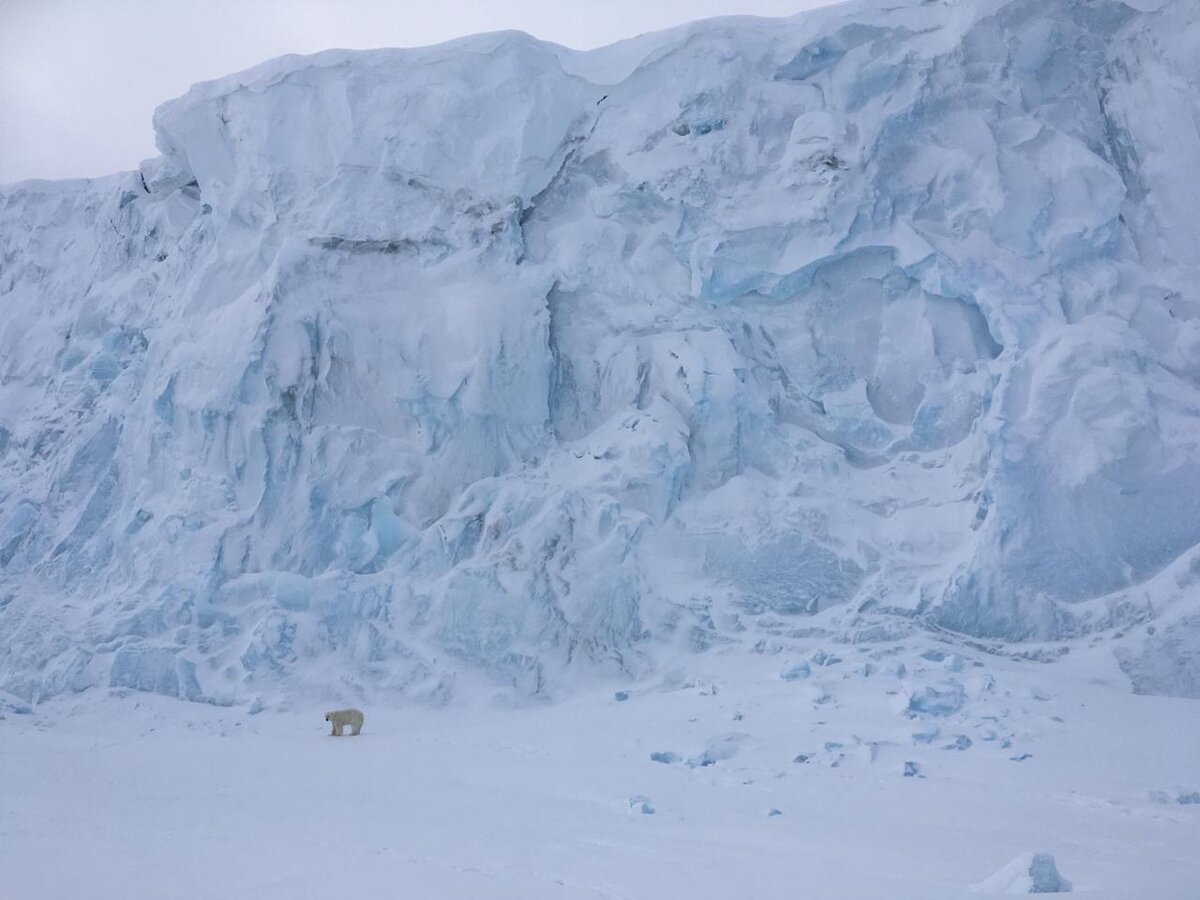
(499, 364)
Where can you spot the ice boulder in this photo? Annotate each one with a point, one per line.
(796, 671)
(641, 804)
(941, 700)
(1029, 873)
(719, 748)
(821, 658)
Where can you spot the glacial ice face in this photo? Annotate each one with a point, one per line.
(402, 368)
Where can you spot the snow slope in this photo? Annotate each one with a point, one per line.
(497, 362)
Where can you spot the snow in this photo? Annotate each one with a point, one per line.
(108, 798)
(376, 383)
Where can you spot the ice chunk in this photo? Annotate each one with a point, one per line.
(796, 671)
(895, 669)
(1029, 873)
(719, 748)
(639, 803)
(161, 175)
(941, 700)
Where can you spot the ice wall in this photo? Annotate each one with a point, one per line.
(399, 370)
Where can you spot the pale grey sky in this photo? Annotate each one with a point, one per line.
(79, 79)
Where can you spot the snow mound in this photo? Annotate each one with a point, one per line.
(1029, 873)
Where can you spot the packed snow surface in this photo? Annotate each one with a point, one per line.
(498, 363)
(155, 797)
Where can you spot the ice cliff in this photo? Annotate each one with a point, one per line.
(500, 362)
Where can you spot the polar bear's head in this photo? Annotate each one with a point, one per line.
(328, 716)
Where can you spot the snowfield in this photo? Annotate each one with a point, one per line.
(147, 796)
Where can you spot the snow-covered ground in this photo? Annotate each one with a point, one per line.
(149, 796)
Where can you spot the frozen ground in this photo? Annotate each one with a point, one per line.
(154, 797)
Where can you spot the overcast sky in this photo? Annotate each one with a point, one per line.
(79, 79)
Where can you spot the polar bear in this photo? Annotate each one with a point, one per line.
(340, 718)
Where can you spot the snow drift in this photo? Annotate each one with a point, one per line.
(404, 367)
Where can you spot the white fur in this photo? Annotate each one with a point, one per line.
(340, 718)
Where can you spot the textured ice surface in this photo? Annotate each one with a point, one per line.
(401, 367)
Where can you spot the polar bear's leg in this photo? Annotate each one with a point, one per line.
(343, 717)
